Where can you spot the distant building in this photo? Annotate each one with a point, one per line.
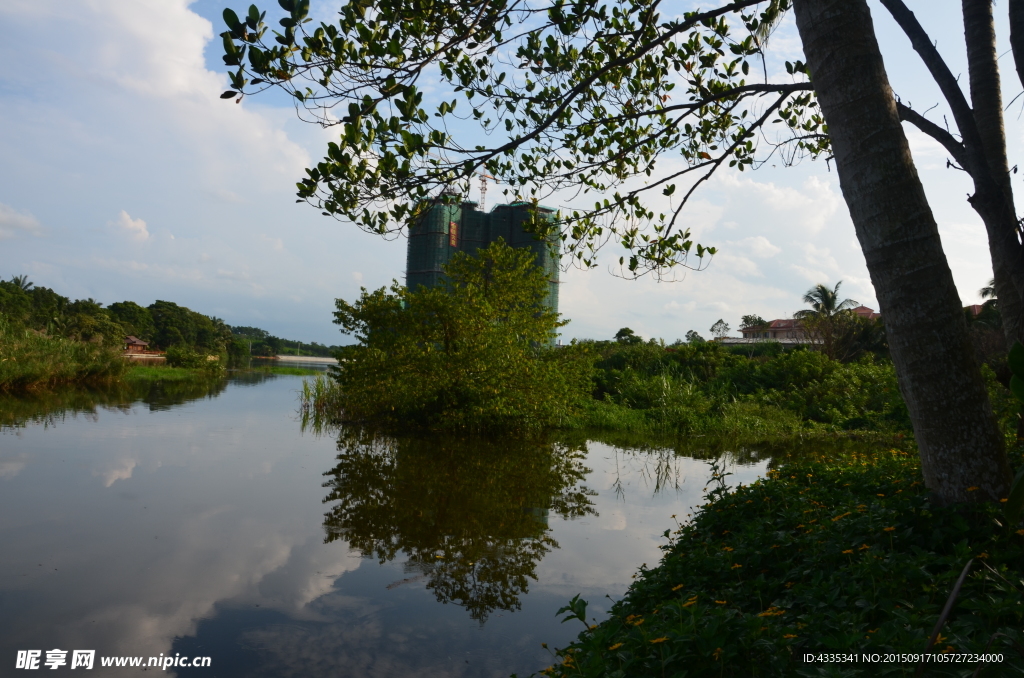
(865, 312)
(778, 329)
(447, 229)
(789, 331)
(135, 345)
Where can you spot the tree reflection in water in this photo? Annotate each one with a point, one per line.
(48, 408)
(470, 514)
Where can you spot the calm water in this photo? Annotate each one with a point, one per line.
(201, 520)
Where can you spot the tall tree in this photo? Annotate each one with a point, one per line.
(960, 444)
(981, 149)
(586, 95)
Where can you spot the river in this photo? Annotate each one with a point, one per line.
(201, 521)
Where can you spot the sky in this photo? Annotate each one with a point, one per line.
(124, 176)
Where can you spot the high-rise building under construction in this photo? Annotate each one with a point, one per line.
(449, 228)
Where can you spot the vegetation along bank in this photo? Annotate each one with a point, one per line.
(48, 340)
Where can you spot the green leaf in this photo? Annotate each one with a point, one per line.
(1016, 359)
(231, 19)
(1015, 502)
(230, 94)
(1017, 387)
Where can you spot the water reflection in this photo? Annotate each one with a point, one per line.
(51, 407)
(470, 516)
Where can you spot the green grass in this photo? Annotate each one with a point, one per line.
(143, 373)
(736, 418)
(33, 361)
(320, 403)
(834, 553)
(289, 370)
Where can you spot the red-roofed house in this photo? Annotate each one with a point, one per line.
(788, 331)
(135, 345)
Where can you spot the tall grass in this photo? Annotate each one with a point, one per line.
(319, 403)
(30, 360)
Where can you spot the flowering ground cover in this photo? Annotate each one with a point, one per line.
(825, 555)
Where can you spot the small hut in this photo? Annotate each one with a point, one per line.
(135, 345)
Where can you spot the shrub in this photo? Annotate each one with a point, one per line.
(183, 356)
(473, 354)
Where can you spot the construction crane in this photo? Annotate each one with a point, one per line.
(483, 181)
(483, 190)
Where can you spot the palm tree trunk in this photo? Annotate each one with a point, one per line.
(961, 447)
(987, 102)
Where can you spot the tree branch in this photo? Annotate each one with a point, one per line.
(948, 141)
(974, 155)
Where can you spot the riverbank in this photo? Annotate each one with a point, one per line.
(31, 360)
(829, 554)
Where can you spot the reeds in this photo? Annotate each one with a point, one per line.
(31, 360)
(319, 404)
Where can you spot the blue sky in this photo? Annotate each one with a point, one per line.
(124, 176)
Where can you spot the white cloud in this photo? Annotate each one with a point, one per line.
(357, 276)
(12, 466)
(759, 246)
(276, 243)
(13, 222)
(120, 469)
(136, 228)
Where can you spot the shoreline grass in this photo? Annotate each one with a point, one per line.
(139, 373)
(287, 370)
(828, 554)
(31, 361)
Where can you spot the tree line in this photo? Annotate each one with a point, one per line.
(163, 324)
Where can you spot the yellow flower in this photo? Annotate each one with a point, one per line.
(863, 546)
(616, 646)
(1003, 500)
(717, 653)
(848, 551)
(735, 566)
(983, 555)
(789, 635)
(721, 602)
(973, 488)
(840, 516)
(727, 548)
(881, 495)
(889, 529)
(676, 588)
(1020, 532)
(660, 640)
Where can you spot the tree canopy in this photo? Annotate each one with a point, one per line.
(585, 97)
(472, 354)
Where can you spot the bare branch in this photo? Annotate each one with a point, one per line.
(948, 141)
